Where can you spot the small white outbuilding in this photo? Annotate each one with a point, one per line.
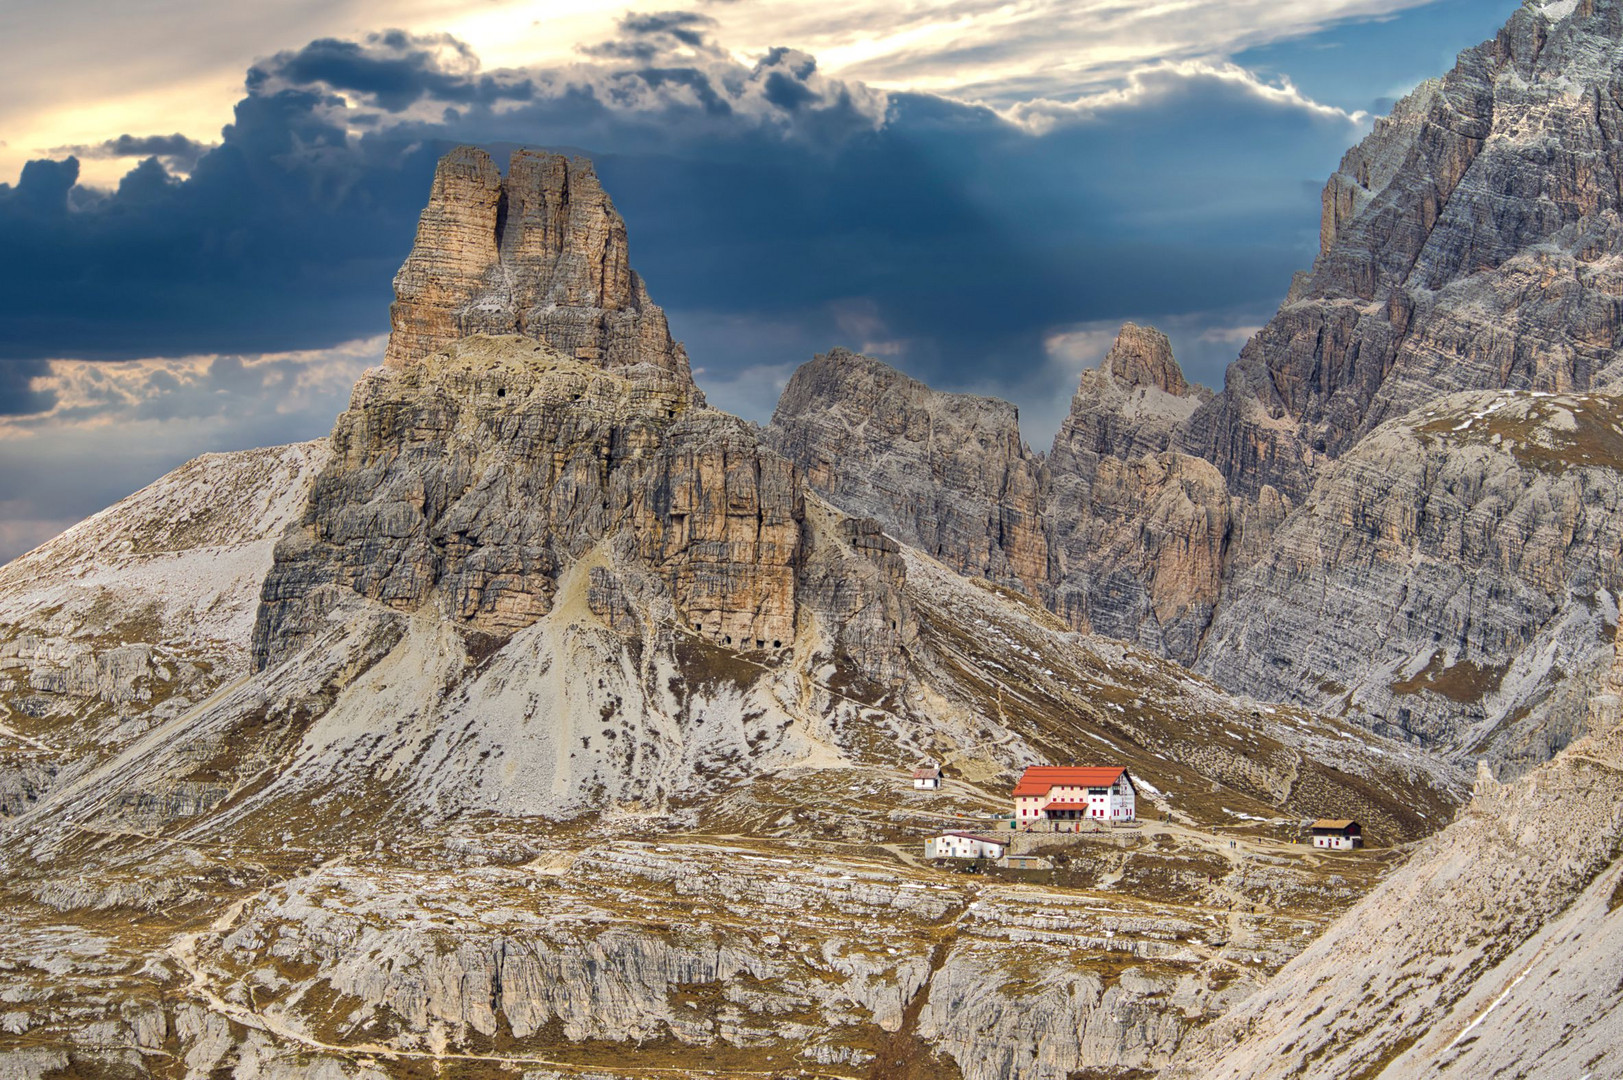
(927, 778)
(958, 845)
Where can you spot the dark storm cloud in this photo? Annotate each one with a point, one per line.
(764, 194)
(693, 79)
(682, 26)
(645, 37)
(393, 70)
(17, 394)
(44, 187)
(176, 150)
(284, 236)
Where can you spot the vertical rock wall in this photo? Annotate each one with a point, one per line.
(468, 481)
(541, 252)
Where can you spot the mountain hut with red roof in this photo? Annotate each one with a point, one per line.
(1054, 793)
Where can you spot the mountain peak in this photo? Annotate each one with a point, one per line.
(1142, 356)
(541, 252)
(878, 443)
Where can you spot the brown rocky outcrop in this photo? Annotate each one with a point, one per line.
(541, 252)
(946, 473)
(1142, 356)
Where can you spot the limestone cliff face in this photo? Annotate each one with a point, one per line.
(1139, 533)
(946, 473)
(1141, 547)
(1470, 242)
(1117, 533)
(469, 481)
(1452, 579)
(541, 252)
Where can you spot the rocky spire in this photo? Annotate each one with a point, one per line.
(541, 252)
(1132, 404)
(1142, 356)
(1138, 534)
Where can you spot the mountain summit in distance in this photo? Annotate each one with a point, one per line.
(544, 720)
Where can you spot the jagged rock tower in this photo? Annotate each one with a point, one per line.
(541, 252)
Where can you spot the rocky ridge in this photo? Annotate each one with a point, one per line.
(522, 585)
(1116, 531)
(1451, 580)
(946, 473)
(1469, 243)
(138, 613)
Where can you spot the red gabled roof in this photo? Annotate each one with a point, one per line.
(1039, 778)
(1066, 806)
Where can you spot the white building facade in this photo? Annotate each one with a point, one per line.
(927, 779)
(963, 846)
(1337, 834)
